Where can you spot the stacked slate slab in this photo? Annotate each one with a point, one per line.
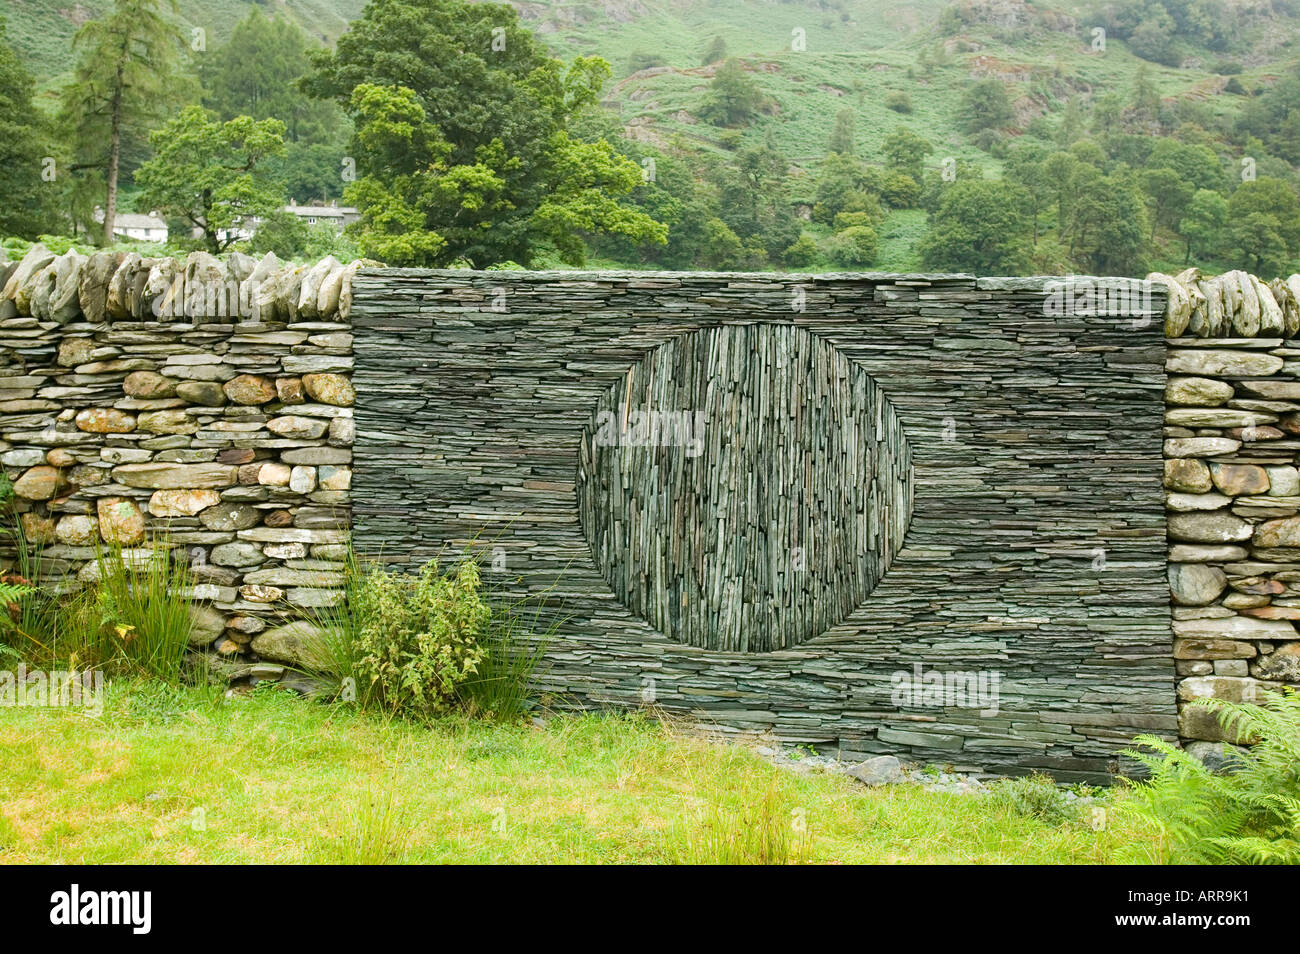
(1035, 550)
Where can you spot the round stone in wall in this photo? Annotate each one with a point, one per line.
(744, 487)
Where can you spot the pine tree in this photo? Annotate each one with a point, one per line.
(126, 80)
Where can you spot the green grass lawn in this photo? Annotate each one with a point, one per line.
(169, 775)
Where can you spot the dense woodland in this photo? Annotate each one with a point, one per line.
(465, 141)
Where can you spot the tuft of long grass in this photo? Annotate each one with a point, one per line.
(135, 618)
(769, 830)
(373, 830)
(515, 645)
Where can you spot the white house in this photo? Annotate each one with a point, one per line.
(333, 214)
(140, 228)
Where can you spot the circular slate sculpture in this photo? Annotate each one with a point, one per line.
(744, 487)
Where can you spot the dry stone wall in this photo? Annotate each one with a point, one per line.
(1010, 437)
(1232, 449)
(204, 405)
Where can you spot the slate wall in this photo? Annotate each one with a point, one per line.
(1035, 550)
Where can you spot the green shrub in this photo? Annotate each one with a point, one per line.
(509, 645)
(802, 253)
(854, 247)
(1250, 814)
(901, 191)
(416, 636)
(1034, 796)
(899, 101)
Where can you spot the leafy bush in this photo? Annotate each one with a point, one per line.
(802, 253)
(501, 686)
(901, 191)
(1034, 796)
(899, 101)
(509, 644)
(854, 247)
(1251, 814)
(416, 636)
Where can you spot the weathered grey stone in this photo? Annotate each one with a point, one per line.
(77, 530)
(37, 528)
(1186, 503)
(149, 384)
(18, 288)
(230, 516)
(1216, 417)
(881, 770)
(1200, 447)
(207, 624)
(1197, 392)
(120, 521)
(1215, 527)
(298, 643)
(250, 389)
(168, 422)
(1284, 532)
(1236, 627)
(297, 428)
(261, 593)
(1199, 553)
(330, 477)
(1218, 757)
(205, 393)
(1227, 688)
(168, 476)
(1213, 363)
(105, 420)
(1195, 584)
(1236, 479)
(1283, 481)
(96, 274)
(274, 474)
(286, 576)
(289, 390)
(237, 554)
(40, 483)
(302, 480)
(1281, 665)
(317, 455)
(329, 389)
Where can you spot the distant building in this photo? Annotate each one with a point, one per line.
(137, 227)
(333, 214)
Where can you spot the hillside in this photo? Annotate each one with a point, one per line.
(890, 63)
(856, 52)
(42, 30)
